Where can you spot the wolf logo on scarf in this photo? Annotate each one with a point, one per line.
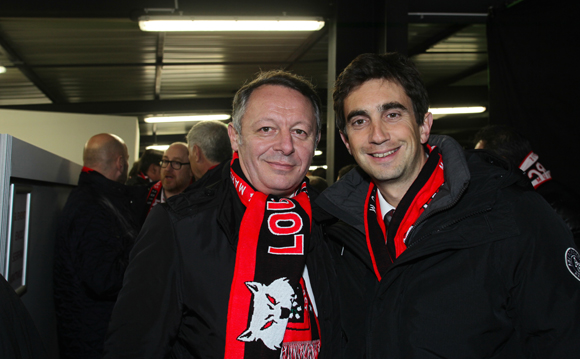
(272, 306)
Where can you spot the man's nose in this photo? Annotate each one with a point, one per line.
(379, 132)
(284, 142)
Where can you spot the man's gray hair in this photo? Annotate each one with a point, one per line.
(212, 138)
(277, 78)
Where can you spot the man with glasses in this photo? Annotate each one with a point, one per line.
(176, 174)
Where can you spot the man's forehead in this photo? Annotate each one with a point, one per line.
(272, 98)
(176, 151)
(387, 91)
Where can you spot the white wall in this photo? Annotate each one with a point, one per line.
(65, 134)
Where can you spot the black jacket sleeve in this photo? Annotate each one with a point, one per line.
(147, 314)
(543, 282)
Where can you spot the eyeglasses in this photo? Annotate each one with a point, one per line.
(175, 164)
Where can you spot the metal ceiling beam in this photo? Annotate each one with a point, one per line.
(453, 96)
(134, 108)
(159, 64)
(29, 73)
(308, 44)
(436, 38)
(482, 66)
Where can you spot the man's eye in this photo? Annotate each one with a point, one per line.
(358, 121)
(265, 129)
(300, 132)
(393, 115)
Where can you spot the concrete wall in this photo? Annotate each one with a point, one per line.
(65, 134)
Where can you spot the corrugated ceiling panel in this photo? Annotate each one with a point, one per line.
(213, 80)
(96, 84)
(78, 41)
(471, 39)
(435, 67)
(232, 47)
(16, 89)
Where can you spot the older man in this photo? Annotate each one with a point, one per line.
(176, 175)
(445, 254)
(96, 232)
(209, 145)
(237, 268)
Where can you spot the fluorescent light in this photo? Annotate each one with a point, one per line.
(312, 168)
(158, 147)
(456, 110)
(317, 153)
(187, 118)
(203, 23)
(2, 69)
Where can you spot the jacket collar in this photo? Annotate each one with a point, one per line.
(101, 183)
(346, 198)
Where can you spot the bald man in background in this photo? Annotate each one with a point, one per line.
(95, 234)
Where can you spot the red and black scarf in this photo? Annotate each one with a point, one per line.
(386, 244)
(155, 195)
(270, 314)
(537, 173)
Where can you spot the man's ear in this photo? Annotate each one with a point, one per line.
(233, 134)
(425, 128)
(345, 140)
(119, 166)
(197, 155)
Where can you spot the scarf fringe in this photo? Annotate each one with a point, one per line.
(300, 350)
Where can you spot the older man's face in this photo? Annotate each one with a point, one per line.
(277, 141)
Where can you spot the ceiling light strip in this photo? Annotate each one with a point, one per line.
(165, 119)
(184, 23)
(457, 110)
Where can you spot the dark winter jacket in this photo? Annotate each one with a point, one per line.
(95, 234)
(489, 271)
(19, 337)
(565, 202)
(174, 301)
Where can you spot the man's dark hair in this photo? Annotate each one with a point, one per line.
(391, 67)
(148, 158)
(505, 142)
(278, 78)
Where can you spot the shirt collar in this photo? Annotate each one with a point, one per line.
(385, 206)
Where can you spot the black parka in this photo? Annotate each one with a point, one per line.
(96, 231)
(174, 301)
(484, 275)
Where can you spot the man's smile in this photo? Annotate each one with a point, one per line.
(384, 154)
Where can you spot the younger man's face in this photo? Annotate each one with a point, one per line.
(382, 134)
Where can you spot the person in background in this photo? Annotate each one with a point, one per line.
(440, 253)
(209, 145)
(238, 267)
(96, 231)
(149, 170)
(176, 175)
(19, 337)
(318, 183)
(320, 172)
(344, 170)
(517, 150)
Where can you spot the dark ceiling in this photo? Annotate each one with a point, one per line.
(91, 57)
